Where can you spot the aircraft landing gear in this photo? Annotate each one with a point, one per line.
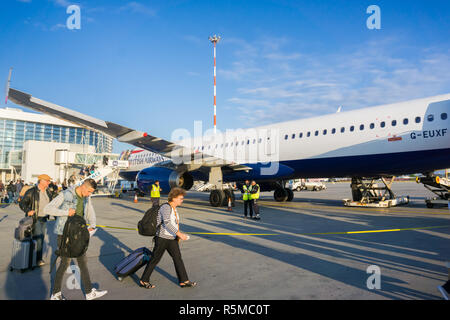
(218, 197)
(282, 194)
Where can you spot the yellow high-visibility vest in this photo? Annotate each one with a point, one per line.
(255, 196)
(155, 191)
(246, 194)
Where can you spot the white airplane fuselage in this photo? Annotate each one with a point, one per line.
(394, 139)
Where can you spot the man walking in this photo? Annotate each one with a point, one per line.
(246, 197)
(155, 193)
(33, 203)
(74, 201)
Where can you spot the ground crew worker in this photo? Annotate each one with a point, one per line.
(254, 196)
(246, 197)
(155, 193)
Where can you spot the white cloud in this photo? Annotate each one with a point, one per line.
(62, 3)
(136, 7)
(282, 85)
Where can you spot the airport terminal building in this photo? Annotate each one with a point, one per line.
(18, 127)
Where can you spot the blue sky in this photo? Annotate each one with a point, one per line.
(148, 65)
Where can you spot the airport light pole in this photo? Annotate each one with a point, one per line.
(214, 40)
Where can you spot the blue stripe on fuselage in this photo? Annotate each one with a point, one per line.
(352, 166)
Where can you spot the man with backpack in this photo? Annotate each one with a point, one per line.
(74, 201)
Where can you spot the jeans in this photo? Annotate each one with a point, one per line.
(172, 246)
(39, 231)
(84, 272)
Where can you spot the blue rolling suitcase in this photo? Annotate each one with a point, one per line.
(132, 263)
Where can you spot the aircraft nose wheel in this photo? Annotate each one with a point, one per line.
(216, 198)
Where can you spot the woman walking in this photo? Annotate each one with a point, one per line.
(167, 237)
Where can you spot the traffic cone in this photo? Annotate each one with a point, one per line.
(135, 198)
(229, 205)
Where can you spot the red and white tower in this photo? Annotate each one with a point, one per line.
(214, 40)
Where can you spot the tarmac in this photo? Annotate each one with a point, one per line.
(312, 248)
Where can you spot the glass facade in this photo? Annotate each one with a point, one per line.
(13, 134)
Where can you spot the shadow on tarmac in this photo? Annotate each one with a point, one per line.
(368, 249)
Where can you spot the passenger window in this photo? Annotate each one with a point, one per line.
(430, 117)
(254, 140)
(394, 123)
(333, 131)
(361, 127)
(300, 135)
(325, 132)
(372, 125)
(293, 136)
(308, 134)
(260, 139)
(316, 133)
(352, 128)
(405, 121)
(418, 119)
(248, 141)
(382, 124)
(342, 130)
(285, 137)
(444, 116)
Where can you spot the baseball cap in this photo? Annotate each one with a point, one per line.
(44, 177)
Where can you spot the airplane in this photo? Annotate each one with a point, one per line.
(370, 143)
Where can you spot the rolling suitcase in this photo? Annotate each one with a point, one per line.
(132, 263)
(23, 255)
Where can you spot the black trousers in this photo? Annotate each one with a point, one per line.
(172, 246)
(248, 204)
(65, 263)
(155, 201)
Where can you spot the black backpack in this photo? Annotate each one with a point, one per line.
(75, 238)
(148, 225)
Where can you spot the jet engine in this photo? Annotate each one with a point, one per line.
(167, 178)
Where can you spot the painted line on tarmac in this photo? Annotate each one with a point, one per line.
(303, 234)
(365, 209)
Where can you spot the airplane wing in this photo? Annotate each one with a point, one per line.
(181, 155)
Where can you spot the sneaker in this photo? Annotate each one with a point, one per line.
(57, 296)
(444, 292)
(94, 294)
